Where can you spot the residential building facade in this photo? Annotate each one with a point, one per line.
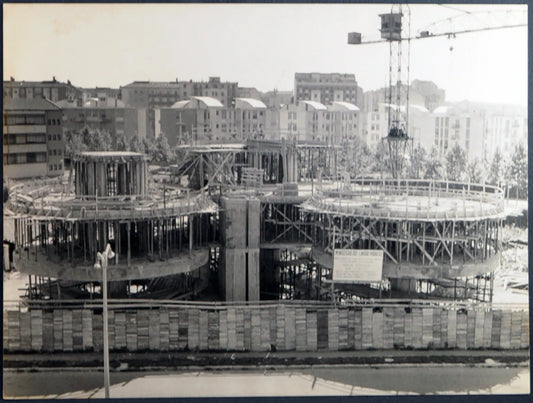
(53, 90)
(327, 88)
(33, 139)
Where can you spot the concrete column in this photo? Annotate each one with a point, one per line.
(239, 271)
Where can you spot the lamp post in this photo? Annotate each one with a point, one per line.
(101, 262)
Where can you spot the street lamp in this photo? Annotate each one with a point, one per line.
(101, 263)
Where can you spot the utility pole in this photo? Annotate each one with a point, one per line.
(101, 262)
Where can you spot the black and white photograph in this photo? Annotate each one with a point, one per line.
(206, 200)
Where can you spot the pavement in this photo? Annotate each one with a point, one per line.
(124, 361)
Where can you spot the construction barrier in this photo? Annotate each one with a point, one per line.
(264, 327)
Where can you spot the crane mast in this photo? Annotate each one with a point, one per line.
(396, 30)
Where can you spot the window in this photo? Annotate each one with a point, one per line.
(51, 167)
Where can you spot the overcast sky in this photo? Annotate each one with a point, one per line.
(260, 45)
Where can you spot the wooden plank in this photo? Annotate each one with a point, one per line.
(111, 330)
(58, 330)
(452, 329)
(377, 329)
(408, 328)
(98, 332)
(351, 328)
(516, 327)
(290, 328)
(487, 329)
(301, 329)
(193, 334)
(524, 331)
(264, 336)
(273, 328)
(333, 329)
(232, 328)
(367, 327)
(343, 329)
(203, 330)
(239, 328)
(48, 331)
(470, 328)
(178, 329)
(496, 329)
(398, 338)
(87, 326)
(443, 328)
(213, 342)
(478, 328)
(154, 330)
(131, 331)
(77, 330)
(505, 333)
(25, 332)
(13, 331)
(223, 330)
(120, 330)
(427, 328)
(417, 328)
(36, 325)
(322, 329)
(143, 329)
(388, 327)
(247, 329)
(67, 330)
(462, 323)
(436, 328)
(358, 329)
(164, 328)
(280, 328)
(311, 322)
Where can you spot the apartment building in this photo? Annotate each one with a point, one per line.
(198, 120)
(53, 90)
(33, 140)
(250, 118)
(326, 88)
(110, 115)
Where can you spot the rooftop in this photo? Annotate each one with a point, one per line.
(34, 104)
(346, 106)
(250, 103)
(316, 105)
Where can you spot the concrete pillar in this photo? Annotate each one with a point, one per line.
(239, 270)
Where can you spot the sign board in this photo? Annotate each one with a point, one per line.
(357, 265)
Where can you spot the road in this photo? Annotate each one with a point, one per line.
(359, 380)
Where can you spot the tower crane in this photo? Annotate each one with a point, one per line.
(396, 31)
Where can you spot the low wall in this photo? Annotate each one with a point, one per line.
(265, 327)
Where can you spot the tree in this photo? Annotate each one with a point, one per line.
(87, 139)
(354, 156)
(122, 143)
(473, 171)
(455, 163)
(161, 152)
(381, 159)
(433, 166)
(518, 170)
(136, 144)
(74, 143)
(96, 139)
(417, 163)
(496, 169)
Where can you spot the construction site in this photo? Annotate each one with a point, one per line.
(260, 227)
(237, 248)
